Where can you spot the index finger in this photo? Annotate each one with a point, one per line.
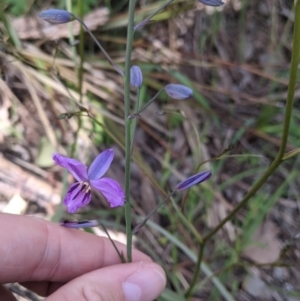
(33, 249)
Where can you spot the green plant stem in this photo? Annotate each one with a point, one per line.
(113, 243)
(291, 154)
(138, 93)
(144, 221)
(197, 270)
(131, 9)
(113, 64)
(285, 130)
(147, 104)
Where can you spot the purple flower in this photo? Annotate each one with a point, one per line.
(177, 91)
(57, 16)
(79, 193)
(193, 180)
(136, 76)
(212, 2)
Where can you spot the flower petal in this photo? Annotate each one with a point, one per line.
(78, 195)
(101, 164)
(76, 168)
(111, 189)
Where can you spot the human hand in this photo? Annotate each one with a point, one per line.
(67, 264)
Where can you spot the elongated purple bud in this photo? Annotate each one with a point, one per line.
(57, 16)
(136, 76)
(178, 91)
(212, 2)
(80, 224)
(193, 180)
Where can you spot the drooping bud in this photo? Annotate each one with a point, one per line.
(136, 76)
(193, 180)
(79, 224)
(177, 91)
(212, 2)
(57, 16)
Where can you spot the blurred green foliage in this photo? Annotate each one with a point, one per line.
(20, 7)
(88, 5)
(16, 7)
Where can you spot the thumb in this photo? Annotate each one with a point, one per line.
(136, 281)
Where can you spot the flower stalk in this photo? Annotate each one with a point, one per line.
(146, 105)
(113, 64)
(145, 21)
(144, 221)
(130, 32)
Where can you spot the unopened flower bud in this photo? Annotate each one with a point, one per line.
(136, 76)
(80, 224)
(212, 2)
(193, 180)
(57, 16)
(177, 91)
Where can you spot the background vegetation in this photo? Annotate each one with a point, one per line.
(236, 59)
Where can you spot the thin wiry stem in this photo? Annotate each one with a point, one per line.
(154, 13)
(197, 270)
(147, 104)
(144, 221)
(113, 64)
(131, 9)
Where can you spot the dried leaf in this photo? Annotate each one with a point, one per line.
(257, 288)
(265, 246)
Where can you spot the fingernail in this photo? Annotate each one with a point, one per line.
(144, 285)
